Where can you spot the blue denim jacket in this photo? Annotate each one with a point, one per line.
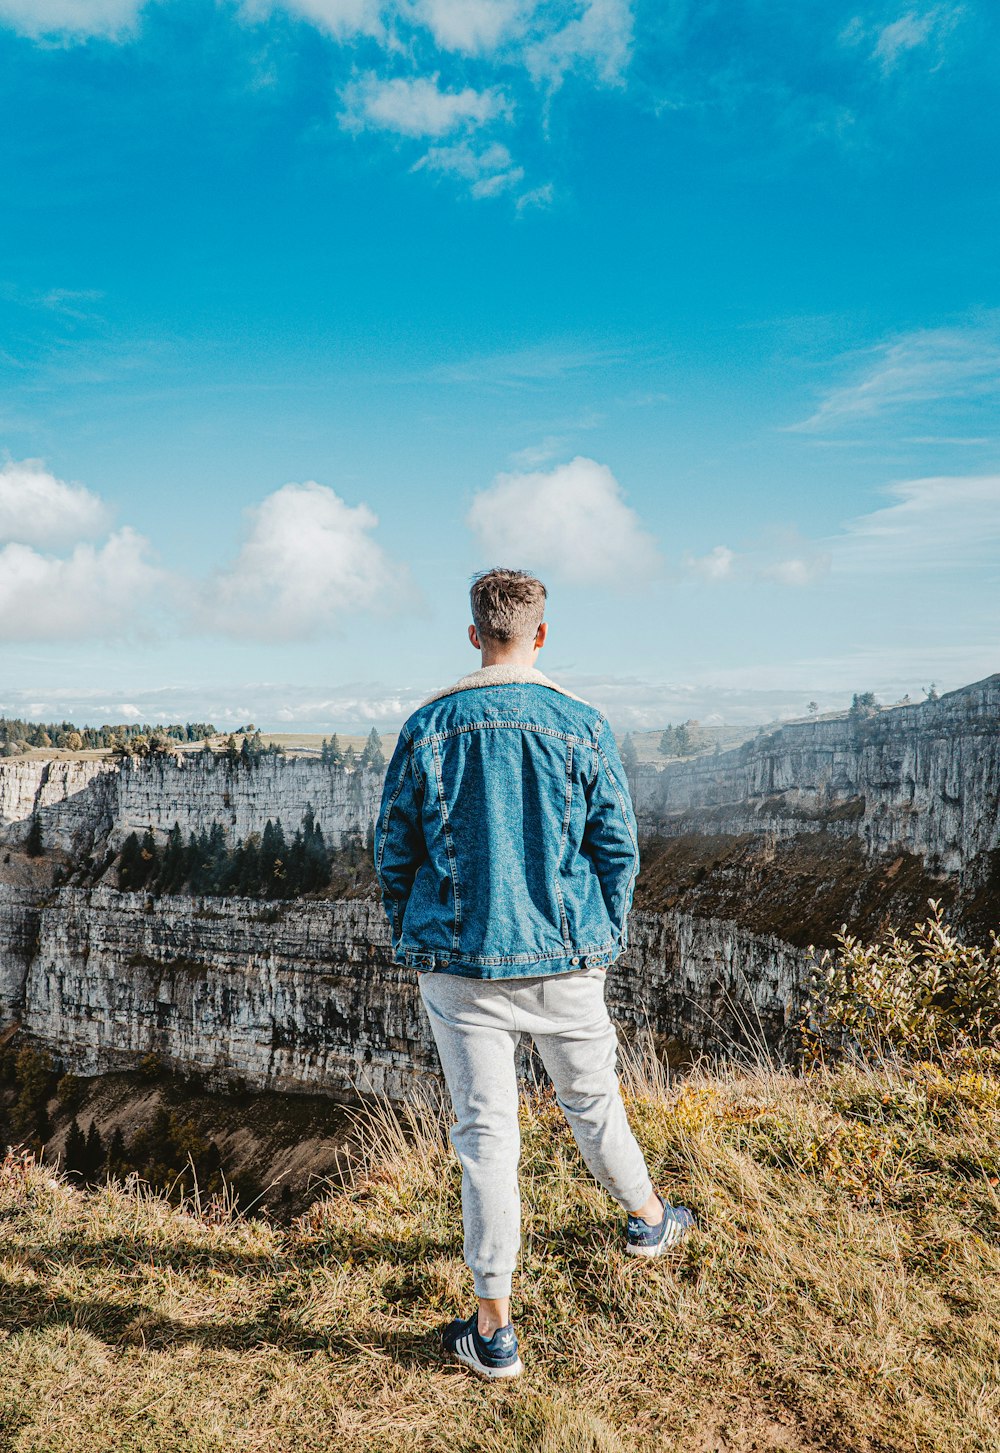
(506, 842)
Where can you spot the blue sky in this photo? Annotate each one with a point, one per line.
(311, 308)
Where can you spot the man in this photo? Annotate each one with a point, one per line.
(506, 851)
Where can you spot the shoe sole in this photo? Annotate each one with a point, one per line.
(491, 1373)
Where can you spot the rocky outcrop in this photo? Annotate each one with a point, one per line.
(85, 807)
(922, 779)
(19, 920)
(305, 996)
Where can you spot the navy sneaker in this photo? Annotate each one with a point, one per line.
(644, 1240)
(494, 1358)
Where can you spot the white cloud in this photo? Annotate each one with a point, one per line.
(770, 559)
(537, 197)
(95, 591)
(599, 40)
(474, 27)
(72, 19)
(798, 571)
(488, 169)
(715, 566)
(912, 31)
(916, 30)
(417, 106)
(309, 560)
(343, 19)
(927, 366)
(38, 509)
(572, 520)
(940, 523)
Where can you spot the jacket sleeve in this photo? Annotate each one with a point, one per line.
(399, 846)
(611, 838)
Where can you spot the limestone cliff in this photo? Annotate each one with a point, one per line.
(305, 996)
(87, 806)
(924, 779)
(751, 856)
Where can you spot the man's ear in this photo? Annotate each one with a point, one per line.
(473, 637)
(540, 635)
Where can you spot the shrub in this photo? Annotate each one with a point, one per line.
(921, 994)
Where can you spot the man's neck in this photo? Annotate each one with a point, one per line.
(515, 659)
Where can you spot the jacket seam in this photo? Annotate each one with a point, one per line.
(563, 920)
(395, 913)
(387, 812)
(449, 847)
(435, 737)
(418, 955)
(635, 847)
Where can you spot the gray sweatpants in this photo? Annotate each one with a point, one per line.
(477, 1024)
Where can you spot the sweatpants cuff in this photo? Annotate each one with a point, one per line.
(495, 1285)
(632, 1202)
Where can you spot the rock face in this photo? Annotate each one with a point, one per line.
(924, 779)
(305, 996)
(752, 856)
(83, 806)
(19, 919)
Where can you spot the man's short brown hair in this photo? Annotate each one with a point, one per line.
(507, 605)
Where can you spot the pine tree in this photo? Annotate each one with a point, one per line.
(93, 1153)
(116, 1162)
(247, 867)
(130, 865)
(76, 1149)
(373, 757)
(174, 865)
(349, 759)
(150, 856)
(273, 853)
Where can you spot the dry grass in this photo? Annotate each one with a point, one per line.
(842, 1294)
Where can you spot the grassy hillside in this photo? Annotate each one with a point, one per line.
(843, 1292)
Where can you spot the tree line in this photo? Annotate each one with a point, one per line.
(372, 756)
(162, 1152)
(17, 735)
(262, 865)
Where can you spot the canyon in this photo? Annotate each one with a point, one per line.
(752, 859)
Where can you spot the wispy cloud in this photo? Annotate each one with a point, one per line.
(518, 368)
(474, 27)
(936, 524)
(488, 169)
(417, 106)
(72, 19)
(783, 558)
(341, 19)
(573, 521)
(418, 88)
(598, 40)
(923, 367)
(716, 565)
(916, 30)
(945, 523)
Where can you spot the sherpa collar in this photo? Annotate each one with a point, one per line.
(502, 674)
